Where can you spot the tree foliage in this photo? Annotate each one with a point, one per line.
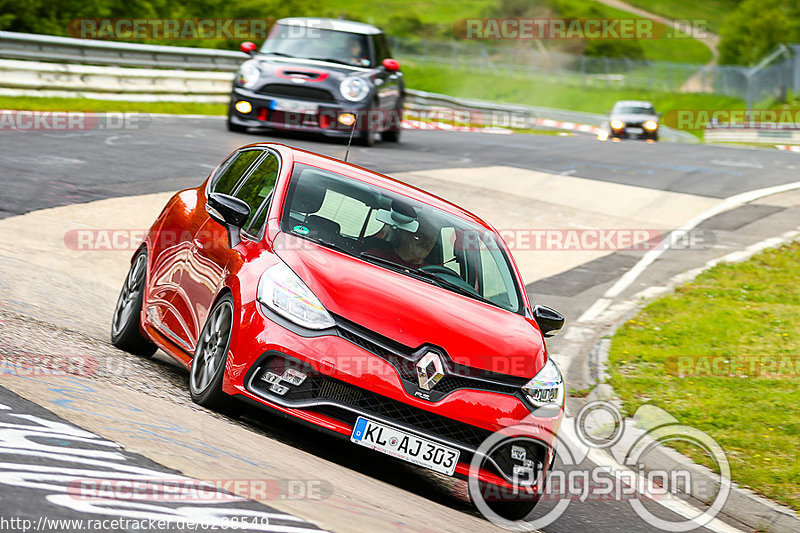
(756, 27)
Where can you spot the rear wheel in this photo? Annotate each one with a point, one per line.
(126, 333)
(210, 357)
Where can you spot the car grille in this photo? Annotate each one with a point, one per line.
(345, 402)
(404, 358)
(301, 92)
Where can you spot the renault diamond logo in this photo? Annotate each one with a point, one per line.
(429, 370)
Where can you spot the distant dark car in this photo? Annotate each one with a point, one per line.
(631, 119)
(327, 76)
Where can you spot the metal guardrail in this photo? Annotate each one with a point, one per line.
(31, 46)
(64, 66)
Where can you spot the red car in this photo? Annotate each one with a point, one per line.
(355, 303)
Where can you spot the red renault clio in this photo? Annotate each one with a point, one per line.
(356, 303)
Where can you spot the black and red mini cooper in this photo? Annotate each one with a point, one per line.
(328, 76)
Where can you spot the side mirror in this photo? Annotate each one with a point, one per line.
(550, 321)
(248, 47)
(230, 212)
(391, 65)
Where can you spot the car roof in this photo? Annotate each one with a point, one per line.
(379, 180)
(642, 103)
(348, 26)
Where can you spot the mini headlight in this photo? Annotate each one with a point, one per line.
(650, 125)
(281, 290)
(248, 73)
(546, 387)
(617, 124)
(354, 89)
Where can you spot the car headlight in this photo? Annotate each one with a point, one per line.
(650, 125)
(546, 387)
(282, 291)
(248, 74)
(617, 124)
(354, 89)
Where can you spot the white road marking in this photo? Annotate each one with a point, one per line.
(623, 474)
(631, 275)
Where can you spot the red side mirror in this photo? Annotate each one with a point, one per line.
(391, 65)
(248, 48)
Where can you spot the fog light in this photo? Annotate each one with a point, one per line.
(271, 377)
(518, 453)
(279, 389)
(347, 119)
(293, 377)
(617, 124)
(243, 107)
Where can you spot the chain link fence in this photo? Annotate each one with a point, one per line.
(771, 79)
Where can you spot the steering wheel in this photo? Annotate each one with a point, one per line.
(438, 269)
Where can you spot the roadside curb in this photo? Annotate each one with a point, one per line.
(743, 505)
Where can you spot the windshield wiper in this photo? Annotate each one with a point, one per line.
(429, 276)
(326, 244)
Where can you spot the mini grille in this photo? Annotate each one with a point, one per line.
(297, 91)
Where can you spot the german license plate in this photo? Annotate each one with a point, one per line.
(391, 441)
(634, 130)
(294, 106)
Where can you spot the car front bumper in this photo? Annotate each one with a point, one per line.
(324, 119)
(357, 382)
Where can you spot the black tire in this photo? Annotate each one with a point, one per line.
(126, 332)
(392, 136)
(235, 127)
(210, 357)
(366, 138)
(508, 508)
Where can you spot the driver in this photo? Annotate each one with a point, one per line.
(411, 249)
(355, 51)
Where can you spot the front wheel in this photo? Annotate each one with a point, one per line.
(509, 506)
(210, 357)
(126, 333)
(235, 127)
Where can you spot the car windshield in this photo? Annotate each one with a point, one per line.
(401, 234)
(312, 42)
(635, 110)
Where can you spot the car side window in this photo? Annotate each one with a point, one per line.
(234, 170)
(256, 190)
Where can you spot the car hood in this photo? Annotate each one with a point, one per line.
(306, 73)
(413, 312)
(633, 118)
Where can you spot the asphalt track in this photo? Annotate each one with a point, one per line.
(45, 170)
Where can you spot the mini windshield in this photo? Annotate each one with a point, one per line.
(399, 233)
(634, 110)
(313, 42)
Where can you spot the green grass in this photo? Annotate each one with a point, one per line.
(515, 89)
(443, 14)
(35, 103)
(732, 311)
(521, 89)
(712, 11)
